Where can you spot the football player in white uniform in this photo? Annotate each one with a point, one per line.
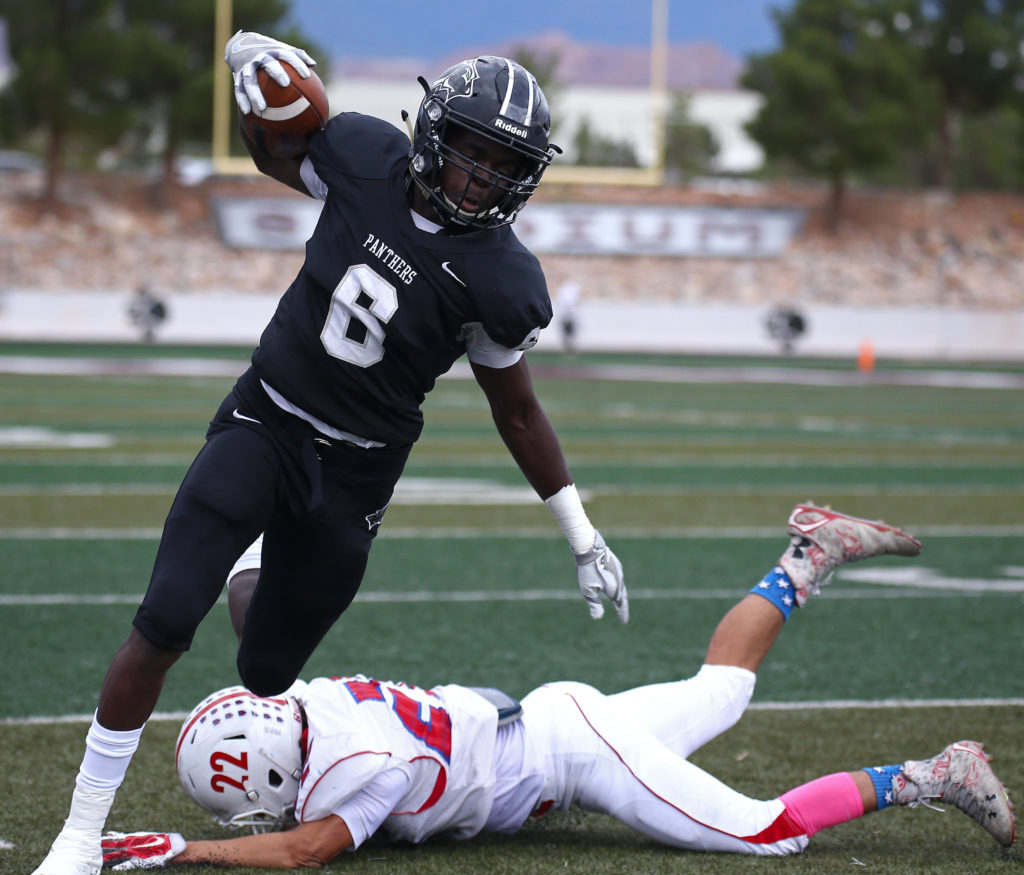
(344, 757)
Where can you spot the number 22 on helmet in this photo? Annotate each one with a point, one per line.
(239, 756)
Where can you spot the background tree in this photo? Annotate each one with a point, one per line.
(989, 153)
(971, 51)
(68, 86)
(94, 73)
(690, 148)
(596, 150)
(172, 66)
(842, 94)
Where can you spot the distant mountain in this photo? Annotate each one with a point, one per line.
(691, 66)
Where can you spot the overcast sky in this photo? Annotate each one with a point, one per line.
(430, 29)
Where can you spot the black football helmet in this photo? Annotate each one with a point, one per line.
(499, 100)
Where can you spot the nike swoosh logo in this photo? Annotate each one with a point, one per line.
(238, 415)
(156, 843)
(243, 46)
(448, 270)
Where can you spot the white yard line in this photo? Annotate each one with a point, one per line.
(544, 532)
(84, 534)
(27, 490)
(209, 367)
(825, 705)
(94, 366)
(369, 596)
(426, 458)
(426, 490)
(834, 704)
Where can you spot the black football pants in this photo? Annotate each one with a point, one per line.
(319, 504)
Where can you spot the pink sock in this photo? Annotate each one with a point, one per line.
(824, 802)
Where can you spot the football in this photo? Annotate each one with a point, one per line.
(293, 113)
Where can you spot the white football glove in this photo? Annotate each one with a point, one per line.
(599, 573)
(246, 52)
(125, 852)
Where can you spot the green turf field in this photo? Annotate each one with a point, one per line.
(688, 468)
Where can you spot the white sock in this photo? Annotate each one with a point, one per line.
(107, 755)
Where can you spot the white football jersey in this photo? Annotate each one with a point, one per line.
(443, 739)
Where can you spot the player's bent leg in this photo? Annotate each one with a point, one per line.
(220, 507)
(827, 801)
(128, 696)
(685, 715)
(223, 503)
(130, 690)
(243, 585)
(312, 566)
(133, 682)
(960, 775)
(311, 572)
(598, 757)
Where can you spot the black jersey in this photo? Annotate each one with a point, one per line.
(381, 308)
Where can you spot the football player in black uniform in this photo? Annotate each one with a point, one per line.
(411, 265)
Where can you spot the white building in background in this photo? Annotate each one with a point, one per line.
(606, 86)
(725, 113)
(621, 114)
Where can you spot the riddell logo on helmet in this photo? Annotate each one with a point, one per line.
(510, 128)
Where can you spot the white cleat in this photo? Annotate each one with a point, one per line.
(73, 853)
(822, 539)
(962, 776)
(76, 850)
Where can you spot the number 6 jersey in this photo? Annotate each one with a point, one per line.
(360, 727)
(381, 307)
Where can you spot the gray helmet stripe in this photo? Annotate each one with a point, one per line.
(522, 102)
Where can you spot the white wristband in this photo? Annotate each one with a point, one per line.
(567, 509)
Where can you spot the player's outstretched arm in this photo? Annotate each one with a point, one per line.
(531, 439)
(309, 844)
(524, 426)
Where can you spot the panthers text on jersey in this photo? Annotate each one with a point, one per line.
(381, 308)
